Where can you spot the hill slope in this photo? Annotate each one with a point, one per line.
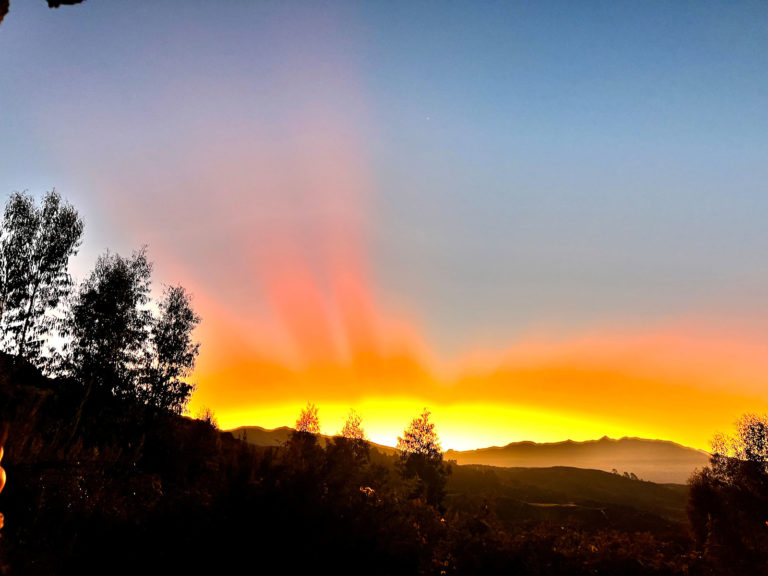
(98, 483)
(572, 496)
(258, 436)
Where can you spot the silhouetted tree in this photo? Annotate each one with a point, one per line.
(172, 352)
(57, 3)
(304, 459)
(208, 416)
(5, 5)
(35, 246)
(420, 437)
(345, 475)
(750, 443)
(117, 345)
(351, 441)
(110, 326)
(728, 500)
(421, 458)
(353, 429)
(308, 420)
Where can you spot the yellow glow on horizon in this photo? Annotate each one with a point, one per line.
(464, 426)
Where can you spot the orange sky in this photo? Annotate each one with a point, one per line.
(375, 217)
(300, 316)
(681, 380)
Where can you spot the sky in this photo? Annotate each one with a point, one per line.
(541, 220)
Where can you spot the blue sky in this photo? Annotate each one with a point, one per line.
(530, 162)
(489, 170)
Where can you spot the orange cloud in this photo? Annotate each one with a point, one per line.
(266, 221)
(669, 382)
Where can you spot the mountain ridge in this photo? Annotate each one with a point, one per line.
(591, 441)
(655, 460)
(662, 461)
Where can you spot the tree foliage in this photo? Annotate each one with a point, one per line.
(351, 443)
(35, 246)
(113, 342)
(728, 501)
(421, 460)
(208, 416)
(308, 420)
(353, 429)
(172, 352)
(118, 345)
(110, 324)
(420, 437)
(750, 443)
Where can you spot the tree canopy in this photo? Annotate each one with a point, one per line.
(112, 341)
(750, 443)
(36, 243)
(110, 324)
(353, 429)
(421, 460)
(118, 345)
(420, 437)
(308, 420)
(728, 500)
(172, 352)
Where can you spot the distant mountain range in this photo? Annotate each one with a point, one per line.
(655, 460)
(658, 461)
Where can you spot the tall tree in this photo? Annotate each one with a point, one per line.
(35, 246)
(173, 353)
(308, 420)
(750, 443)
(421, 459)
(115, 344)
(353, 429)
(420, 437)
(728, 500)
(110, 325)
(351, 441)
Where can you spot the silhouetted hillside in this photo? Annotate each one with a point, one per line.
(591, 499)
(654, 460)
(259, 436)
(99, 484)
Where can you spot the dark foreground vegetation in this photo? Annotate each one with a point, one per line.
(108, 484)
